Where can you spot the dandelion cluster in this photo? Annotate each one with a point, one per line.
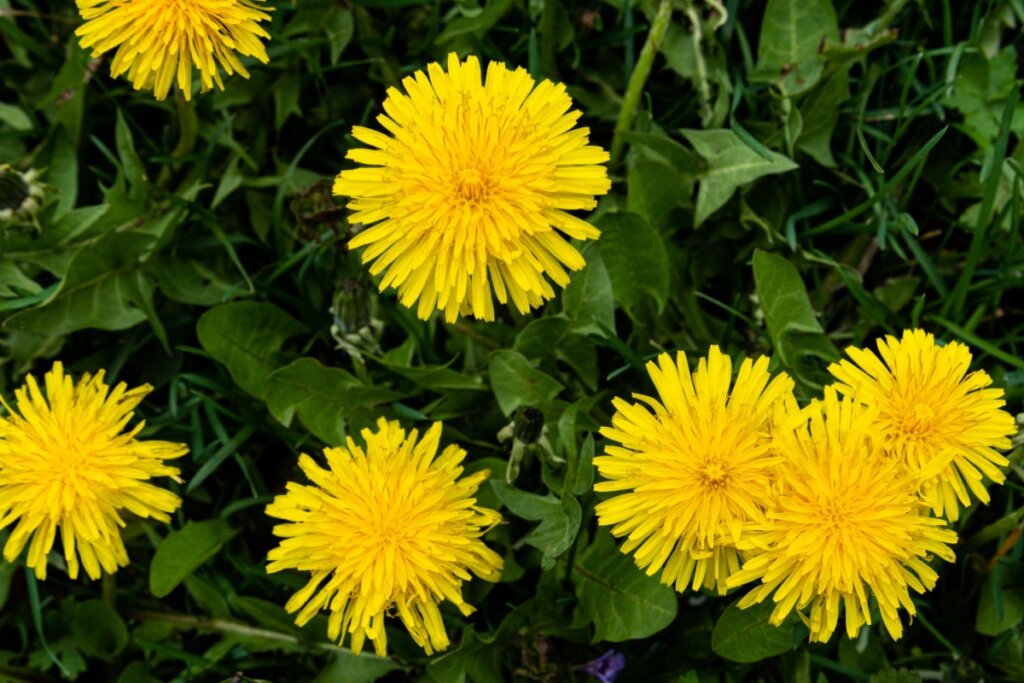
(827, 508)
(847, 525)
(68, 464)
(385, 529)
(468, 193)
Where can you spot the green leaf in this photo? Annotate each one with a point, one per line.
(247, 338)
(190, 281)
(99, 631)
(1001, 604)
(476, 25)
(134, 171)
(635, 256)
(559, 519)
(438, 377)
(340, 28)
(286, 99)
(579, 478)
(63, 173)
(856, 43)
(542, 336)
(330, 402)
(516, 383)
(15, 117)
(794, 328)
(209, 597)
(745, 635)
(104, 289)
(136, 672)
(660, 147)
(14, 283)
(588, 301)
(731, 164)
(347, 667)
(654, 190)
(623, 601)
(788, 52)
(820, 113)
(184, 551)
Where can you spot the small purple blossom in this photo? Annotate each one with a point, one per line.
(606, 667)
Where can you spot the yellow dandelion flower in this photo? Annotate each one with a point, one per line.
(471, 190)
(845, 526)
(694, 469)
(159, 41)
(67, 463)
(944, 422)
(389, 529)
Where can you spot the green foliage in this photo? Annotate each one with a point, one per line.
(745, 635)
(798, 176)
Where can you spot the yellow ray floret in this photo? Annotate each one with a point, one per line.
(846, 527)
(694, 469)
(158, 42)
(68, 464)
(386, 529)
(470, 190)
(943, 421)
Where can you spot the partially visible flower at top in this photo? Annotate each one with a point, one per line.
(847, 526)
(606, 668)
(469, 193)
(695, 468)
(21, 194)
(383, 530)
(944, 422)
(160, 41)
(68, 464)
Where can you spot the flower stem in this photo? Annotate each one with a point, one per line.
(188, 133)
(700, 66)
(638, 79)
(240, 629)
(108, 586)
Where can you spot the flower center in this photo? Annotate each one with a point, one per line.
(714, 475)
(472, 186)
(918, 420)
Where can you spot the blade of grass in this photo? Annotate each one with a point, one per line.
(993, 167)
(918, 158)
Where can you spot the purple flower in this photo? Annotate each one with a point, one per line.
(606, 667)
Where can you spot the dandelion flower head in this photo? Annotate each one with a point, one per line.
(694, 467)
(469, 192)
(942, 420)
(385, 529)
(158, 42)
(846, 526)
(68, 464)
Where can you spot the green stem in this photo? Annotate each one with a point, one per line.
(888, 14)
(188, 125)
(239, 629)
(188, 133)
(108, 586)
(638, 79)
(699, 64)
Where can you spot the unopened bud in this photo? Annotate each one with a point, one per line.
(14, 191)
(529, 425)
